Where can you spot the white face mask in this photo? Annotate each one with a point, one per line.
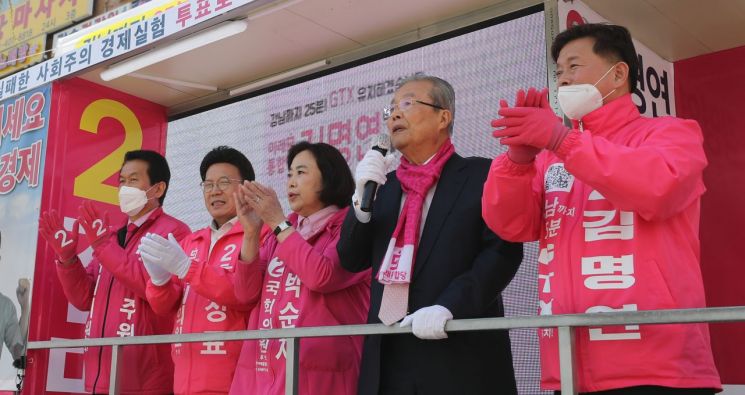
(576, 101)
(132, 200)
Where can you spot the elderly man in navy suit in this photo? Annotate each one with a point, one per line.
(432, 256)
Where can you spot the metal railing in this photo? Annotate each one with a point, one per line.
(564, 323)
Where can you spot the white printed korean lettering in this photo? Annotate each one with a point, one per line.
(599, 334)
(608, 272)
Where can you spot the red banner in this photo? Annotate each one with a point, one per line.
(91, 128)
(709, 89)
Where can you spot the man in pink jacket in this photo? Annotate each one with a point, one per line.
(614, 202)
(194, 279)
(112, 286)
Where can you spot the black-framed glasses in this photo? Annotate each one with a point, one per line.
(404, 105)
(222, 183)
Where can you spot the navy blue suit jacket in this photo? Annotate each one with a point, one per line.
(459, 264)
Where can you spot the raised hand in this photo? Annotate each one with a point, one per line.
(264, 202)
(96, 226)
(63, 242)
(535, 127)
(530, 126)
(520, 153)
(22, 292)
(158, 275)
(165, 253)
(249, 219)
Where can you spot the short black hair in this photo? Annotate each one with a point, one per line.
(612, 42)
(336, 179)
(157, 167)
(229, 155)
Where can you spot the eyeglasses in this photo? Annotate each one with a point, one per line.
(223, 183)
(404, 105)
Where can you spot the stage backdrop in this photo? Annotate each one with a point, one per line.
(344, 109)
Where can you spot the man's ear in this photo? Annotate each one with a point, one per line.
(160, 189)
(621, 76)
(446, 117)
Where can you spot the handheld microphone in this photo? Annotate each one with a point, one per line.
(382, 144)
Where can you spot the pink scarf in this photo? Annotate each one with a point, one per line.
(416, 181)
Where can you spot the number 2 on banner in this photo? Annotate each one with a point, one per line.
(90, 183)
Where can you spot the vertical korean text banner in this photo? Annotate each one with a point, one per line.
(24, 122)
(91, 129)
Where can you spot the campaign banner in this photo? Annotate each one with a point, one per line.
(142, 31)
(92, 128)
(654, 93)
(24, 122)
(344, 109)
(116, 23)
(107, 15)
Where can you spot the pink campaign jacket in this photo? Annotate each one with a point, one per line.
(304, 285)
(616, 211)
(206, 302)
(112, 289)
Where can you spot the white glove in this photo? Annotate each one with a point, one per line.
(164, 253)
(372, 167)
(158, 275)
(428, 323)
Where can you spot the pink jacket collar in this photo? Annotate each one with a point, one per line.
(610, 118)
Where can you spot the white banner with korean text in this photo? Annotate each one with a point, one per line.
(181, 16)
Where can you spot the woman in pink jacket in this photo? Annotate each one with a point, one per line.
(304, 284)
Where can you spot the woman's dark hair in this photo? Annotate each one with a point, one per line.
(336, 178)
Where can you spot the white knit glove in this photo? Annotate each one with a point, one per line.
(158, 275)
(372, 167)
(164, 253)
(428, 323)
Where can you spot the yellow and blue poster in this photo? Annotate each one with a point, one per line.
(24, 121)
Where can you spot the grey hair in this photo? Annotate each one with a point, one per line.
(442, 94)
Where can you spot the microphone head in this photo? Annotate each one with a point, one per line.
(382, 141)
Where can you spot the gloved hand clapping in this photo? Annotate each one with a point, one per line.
(530, 126)
(63, 242)
(536, 127)
(96, 226)
(158, 275)
(165, 254)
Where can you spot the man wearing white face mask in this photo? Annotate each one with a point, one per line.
(614, 201)
(112, 287)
